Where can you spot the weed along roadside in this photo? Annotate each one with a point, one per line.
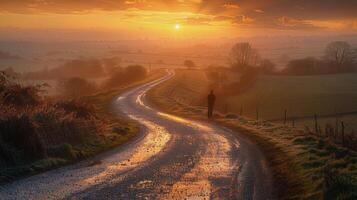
(51, 134)
(304, 164)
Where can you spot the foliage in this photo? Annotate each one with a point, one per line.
(267, 66)
(302, 66)
(82, 67)
(189, 64)
(13, 93)
(76, 87)
(126, 76)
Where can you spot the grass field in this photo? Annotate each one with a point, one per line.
(299, 95)
(304, 166)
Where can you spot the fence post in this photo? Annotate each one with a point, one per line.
(257, 114)
(285, 113)
(336, 128)
(316, 126)
(293, 121)
(343, 133)
(241, 110)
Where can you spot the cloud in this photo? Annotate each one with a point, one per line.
(257, 13)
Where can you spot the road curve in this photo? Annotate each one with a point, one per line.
(174, 158)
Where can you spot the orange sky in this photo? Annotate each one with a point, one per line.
(197, 18)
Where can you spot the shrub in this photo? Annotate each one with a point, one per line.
(78, 107)
(18, 134)
(231, 116)
(62, 151)
(130, 74)
(12, 93)
(76, 87)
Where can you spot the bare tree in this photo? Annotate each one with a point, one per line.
(243, 55)
(338, 52)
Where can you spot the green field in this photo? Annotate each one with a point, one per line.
(301, 96)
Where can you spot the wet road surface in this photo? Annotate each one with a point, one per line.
(174, 158)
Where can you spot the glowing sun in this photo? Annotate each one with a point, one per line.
(177, 26)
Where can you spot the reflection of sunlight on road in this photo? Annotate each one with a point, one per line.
(139, 100)
(214, 163)
(184, 121)
(153, 143)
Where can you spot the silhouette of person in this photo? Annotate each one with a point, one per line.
(211, 98)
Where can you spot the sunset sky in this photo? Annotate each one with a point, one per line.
(134, 19)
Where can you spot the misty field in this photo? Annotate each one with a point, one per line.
(301, 96)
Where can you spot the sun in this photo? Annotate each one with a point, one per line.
(177, 26)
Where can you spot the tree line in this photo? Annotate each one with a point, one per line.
(338, 57)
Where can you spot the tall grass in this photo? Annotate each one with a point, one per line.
(33, 128)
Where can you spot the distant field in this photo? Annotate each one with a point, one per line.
(301, 96)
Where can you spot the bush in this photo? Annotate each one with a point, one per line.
(64, 151)
(231, 116)
(129, 75)
(80, 108)
(305, 66)
(76, 87)
(18, 135)
(12, 93)
(27, 134)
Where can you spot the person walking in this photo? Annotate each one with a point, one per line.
(211, 98)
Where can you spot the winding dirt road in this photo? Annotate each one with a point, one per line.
(174, 158)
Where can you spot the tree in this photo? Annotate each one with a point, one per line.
(127, 75)
(304, 66)
(338, 52)
(189, 64)
(76, 87)
(135, 72)
(267, 66)
(243, 56)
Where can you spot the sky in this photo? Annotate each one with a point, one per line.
(174, 19)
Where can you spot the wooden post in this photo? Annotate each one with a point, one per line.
(336, 128)
(320, 131)
(316, 125)
(285, 113)
(241, 110)
(257, 114)
(343, 133)
(293, 122)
